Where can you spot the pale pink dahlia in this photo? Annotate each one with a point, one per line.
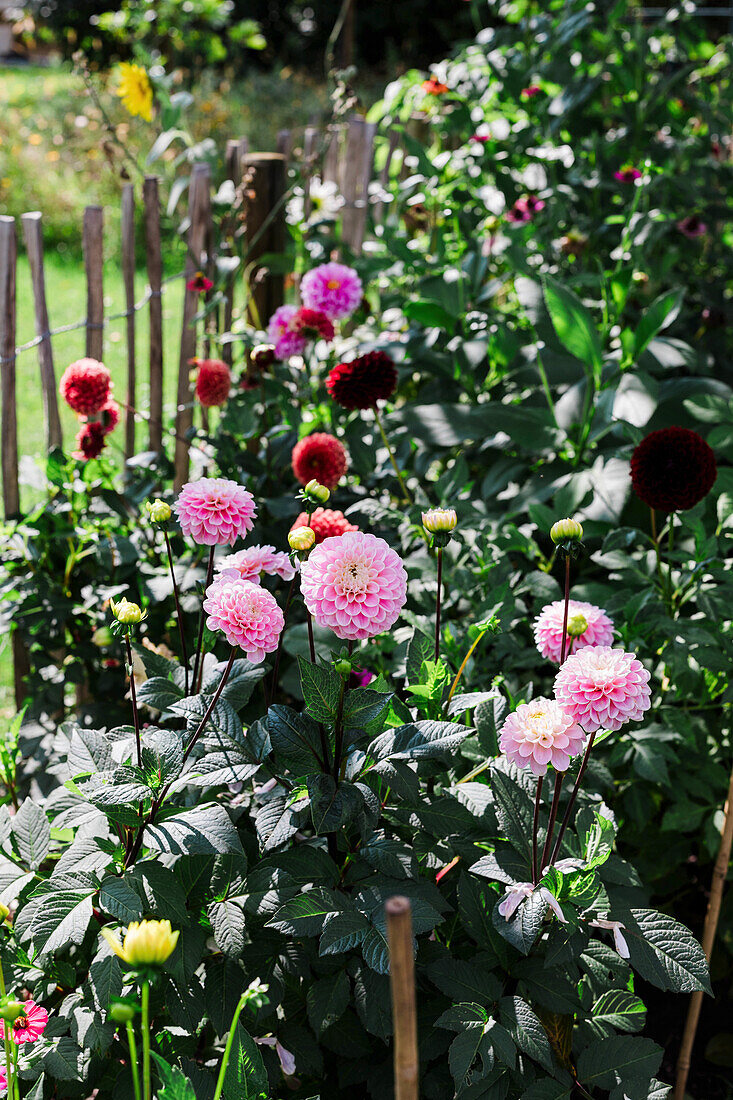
(285, 334)
(332, 288)
(541, 733)
(602, 688)
(214, 511)
(355, 584)
(248, 615)
(548, 628)
(251, 563)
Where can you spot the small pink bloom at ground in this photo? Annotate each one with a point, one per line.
(214, 511)
(284, 333)
(548, 627)
(541, 733)
(199, 284)
(692, 226)
(332, 288)
(628, 174)
(531, 91)
(29, 1026)
(248, 616)
(603, 688)
(354, 584)
(251, 563)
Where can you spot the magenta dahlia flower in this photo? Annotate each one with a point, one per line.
(85, 386)
(29, 1026)
(214, 511)
(627, 174)
(541, 733)
(251, 563)
(548, 627)
(249, 616)
(603, 688)
(285, 334)
(332, 288)
(355, 584)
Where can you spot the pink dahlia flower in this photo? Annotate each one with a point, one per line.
(541, 733)
(251, 563)
(285, 333)
(548, 628)
(214, 511)
(248, 615)
(29, 1026)
(355, 584)
(332, 288)
(603, 688)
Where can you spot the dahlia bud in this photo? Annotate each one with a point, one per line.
(4, 913)
(126, 612)
(158, 511)
(10, 1010)
(122, 1012)
(566, 530)
(343, 667)
(302, 539)
(577, 625)
(102, 637)
(315, 492)
(439, 522)
(262, 356)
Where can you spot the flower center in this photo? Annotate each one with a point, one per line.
(538, 725)
(352, 577)
(20, 1022)
(333, 284)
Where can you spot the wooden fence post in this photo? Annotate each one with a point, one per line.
(93, 246)
(154, 259)
(265, 232)
(235, 150)
(33, 236)
(127, 231)
(356, 174)
(404, 1012)
(199, 212)
(284, 143)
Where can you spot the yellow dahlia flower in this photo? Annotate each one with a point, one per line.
(135, 90)
(148, 943)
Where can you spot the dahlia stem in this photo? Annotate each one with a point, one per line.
(133, 1060)
(464, 662)
(653, 516)
(393, 460)
(437, 604)
(535, 827)
(565, 610)
(133, 697)
(278, 655)
(559, 777)
(338, 735)
(229, 1044)
(311, 640)
(145, 1028)
(198, 667)
(573, 796)
(181, 631)
(212, 704)
(6, 1036)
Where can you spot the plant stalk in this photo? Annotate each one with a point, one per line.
(278, 655)
(535, 826)
(228, 1047)
(133, 1060)
(198, 665)
(560, 776)
(573, 796)
(6, 1037)
(393, 460)
(181, 631)
(133, 697)
(437, 603)
(565, 612)
(145, 1028)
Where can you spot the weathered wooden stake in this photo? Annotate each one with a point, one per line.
(93, 245)
(404, 1012)
(284, 143)
(310, 139)
(127, 228)
(720, 873)
(235, 150)
(9, 429)
(199, 212)
(151, 202)
(355, 176)
(265, 232)
(33, 236)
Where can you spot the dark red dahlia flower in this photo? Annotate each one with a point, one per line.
(85, 386)
(362, 382)
(199, 284)
(320, 456)
(672, 469)
(325, 523)
(109, 415)
(313, 324)
(90, 440)
(213, 381)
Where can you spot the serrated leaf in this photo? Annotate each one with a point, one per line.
(375, 949)
(418, 741)
(119, 900)
(343, 932)
(65, 1060)
(327, 1000)
(619, 1009)
(276, 821)
(420, 649)
(666, 953)
(322, 687)
(159, 693)
(295, 739)
(246, 1077)
(200, 831)
(305, 914)
(228, 926)
(32, 833)
(105, 975)
(61, 919)
(465, 981)
(363, 705)
(526, 1030)
(176, 1086)
(332, 804)
(608, 1061)
(514, 810)
(523, 928)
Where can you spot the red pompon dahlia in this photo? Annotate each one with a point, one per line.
(213, 381)
(85, 386)
(325, 523)
(362, 382)
(320, 456)
(90, 440)
(313, 324)
(672, 469)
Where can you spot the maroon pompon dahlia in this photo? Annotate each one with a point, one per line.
(672, 469)
(364, 381)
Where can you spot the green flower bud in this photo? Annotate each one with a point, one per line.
(316, 492)
(102, 637)
(566, 530)
(4, 913)
(342, 666)
(158, 511)
(10, 1010)
(122, 1012)
(439, 520)
(302, 539)
(577, 625)
(127, 612)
